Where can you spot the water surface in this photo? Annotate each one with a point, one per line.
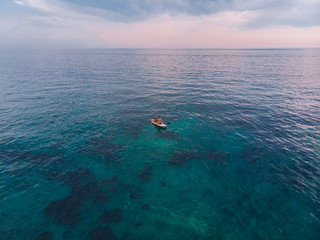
(239, 159)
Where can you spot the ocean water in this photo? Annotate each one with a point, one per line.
(240, 158)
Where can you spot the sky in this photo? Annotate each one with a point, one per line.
(160, 23)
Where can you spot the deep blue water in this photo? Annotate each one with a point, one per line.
(80, 160)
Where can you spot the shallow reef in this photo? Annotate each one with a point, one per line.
(180, 158)
(113, 215)
(111, 185)
(145, 174)
(102, 146)
(66, 211)
(44, 236)
(168, 134)
(253, 154)
(102, 233)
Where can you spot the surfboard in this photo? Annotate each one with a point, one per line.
(160, 125)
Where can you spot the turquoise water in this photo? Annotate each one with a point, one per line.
(239, 159)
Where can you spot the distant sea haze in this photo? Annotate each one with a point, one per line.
(81, 160)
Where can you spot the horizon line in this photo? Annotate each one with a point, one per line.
(155, 48)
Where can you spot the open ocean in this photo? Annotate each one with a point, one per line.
(240, 159)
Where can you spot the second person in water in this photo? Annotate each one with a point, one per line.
(158, 120)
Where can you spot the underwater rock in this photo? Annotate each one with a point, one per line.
(13, 156)
(113, 161)
(216, 156)
(181, 158)
(253, 154)
(114, 179)
(39, 159)
(73, 178)
(102, 233)
(135, 196)
(134, 191)
(77, 177)
(145, 207)
(46, 164)
(58, 144)
(145, 174)
(168, 135)
(113, 215)
(44, 236)
(100, 197)
(163, 183)
(54, 174)
(111, 184)
(66, 211)
(103, 147)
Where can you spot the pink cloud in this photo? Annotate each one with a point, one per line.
(221, 31)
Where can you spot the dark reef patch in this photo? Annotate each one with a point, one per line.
(163, 183)
(44, 236)
(113, 215)
(168, 135)
(181, 158)
(145, 174)
(76, 177)
(57, 144)
(66, 211)
(81, 181)
(102, 233)
(216, 156)
(253, 154)
(135, 192)
(100, 197)
(145, 207)
(103, 147)
(111, 184)
(39, 159)
(135, 196)
(45, 164)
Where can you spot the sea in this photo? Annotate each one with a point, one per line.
(239, 159)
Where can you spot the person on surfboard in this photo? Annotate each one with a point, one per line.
(158, 122)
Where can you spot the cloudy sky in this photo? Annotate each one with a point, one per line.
(160, 23)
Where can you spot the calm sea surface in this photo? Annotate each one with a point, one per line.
(240, 158)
